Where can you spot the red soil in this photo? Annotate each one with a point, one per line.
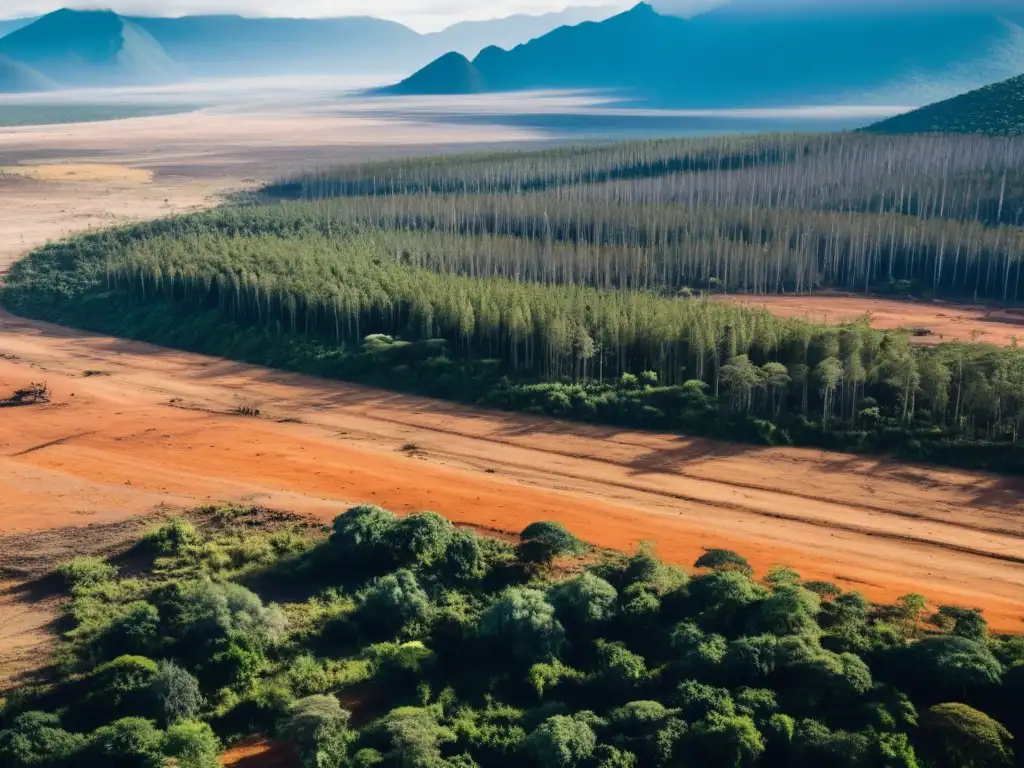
(257, 752)
(112, 446)
(945, 321)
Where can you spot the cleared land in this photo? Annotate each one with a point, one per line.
(944, 321)
(120, 446)
(60, 179)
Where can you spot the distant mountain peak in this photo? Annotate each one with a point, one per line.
(789, 53)
(89, 47)
(451, 74)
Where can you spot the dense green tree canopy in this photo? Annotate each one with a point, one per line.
(450, 652)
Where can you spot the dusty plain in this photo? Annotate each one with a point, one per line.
(136, 430)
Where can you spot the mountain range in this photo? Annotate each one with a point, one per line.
(996, 110)
(76, 48)
(748, 53)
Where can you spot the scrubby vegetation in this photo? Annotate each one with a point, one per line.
(581, 283)
(410, 643)
(33, 394)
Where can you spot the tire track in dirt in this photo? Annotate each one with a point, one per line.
(50, 444)
(818, 499)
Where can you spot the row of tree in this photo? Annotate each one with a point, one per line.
(543, 237)
(343, 291)
(965, 177)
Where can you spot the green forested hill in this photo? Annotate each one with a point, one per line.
(996, 110)
(409, 643)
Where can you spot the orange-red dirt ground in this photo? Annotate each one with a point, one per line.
(153, 428)
(944, 321)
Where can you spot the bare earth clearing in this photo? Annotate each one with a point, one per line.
(155, 428)
(946, 321)
(61, 179)
(151, 429)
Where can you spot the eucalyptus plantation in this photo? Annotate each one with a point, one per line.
(583, 282)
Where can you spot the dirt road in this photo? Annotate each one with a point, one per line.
(134, 427)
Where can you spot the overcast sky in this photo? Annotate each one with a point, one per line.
(424, 15)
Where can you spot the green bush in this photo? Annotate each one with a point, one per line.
(958, 735)
(361, 538)
(393, 602)
(86, 572)
(307, 676)
(177, 693)
(317, 728)
(192, 744)
(414, 737)
(724, 560)
(584, 601)
(121, 688)
(421, 539)
(541, 543)
(174, 537)
(464, 559)
(131, 742)
(727, 741)
(562, 742)
(36, 739)
(523, 624)
(134, 631)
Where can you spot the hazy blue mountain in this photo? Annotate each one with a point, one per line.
(10, 25)
(234, 45)
(15, 77)
(213, 46)
(471, 37)
(764, 53)
(451, 74)
(89, 48)
(996, 110)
